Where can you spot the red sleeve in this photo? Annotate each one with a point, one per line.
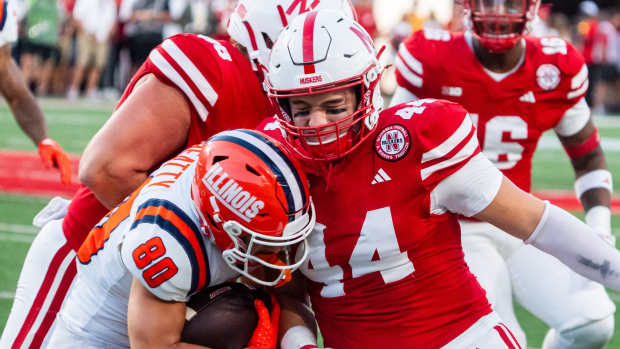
(558, 60)
(574, 70)
(82, 215)
(444, 138)
(409, 68)
(192, 64)
(417, 59)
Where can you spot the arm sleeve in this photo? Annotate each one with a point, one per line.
(447, 138)
(575, 244)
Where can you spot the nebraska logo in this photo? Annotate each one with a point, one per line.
(393, 143)
(231, 194)
(548, 76)
(310, 79)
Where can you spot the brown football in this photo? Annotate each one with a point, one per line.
(222, 316)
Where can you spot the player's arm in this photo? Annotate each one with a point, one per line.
(462, 180)
(297, 324)
(478, 189)
(593, 183)
(149, 127)
(28, 114)
(153, 323)
(20, 99)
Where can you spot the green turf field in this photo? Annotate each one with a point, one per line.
(72, 125)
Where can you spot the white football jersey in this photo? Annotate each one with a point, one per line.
(153, 236)
(8, 22)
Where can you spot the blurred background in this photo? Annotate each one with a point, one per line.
(91, 48)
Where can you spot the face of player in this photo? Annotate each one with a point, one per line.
(323, 109)
(500, 7)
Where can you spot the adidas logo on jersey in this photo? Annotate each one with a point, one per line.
(453, 91)
(381, 177)
(528, 97)
(231, 194)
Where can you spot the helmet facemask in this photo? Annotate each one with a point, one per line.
(500, 24)
(334, 140)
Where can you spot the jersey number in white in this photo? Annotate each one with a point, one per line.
(376, 250)
(503, 154)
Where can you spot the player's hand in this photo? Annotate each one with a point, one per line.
(53, 156)
(265, 335)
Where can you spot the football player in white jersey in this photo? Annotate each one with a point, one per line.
(517, 87)
(235, 205)
(190, 88)
(386, 268)
(25, 109)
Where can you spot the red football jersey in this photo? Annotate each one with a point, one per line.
(384, 271)
(510, 114)
(221, 88)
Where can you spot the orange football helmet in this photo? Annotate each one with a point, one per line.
(254, 204)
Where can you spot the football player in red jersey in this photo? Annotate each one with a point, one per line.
(386, 267)
(516, 87)
(189, 88)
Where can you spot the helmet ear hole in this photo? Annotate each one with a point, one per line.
(251, 169)
(218, 158)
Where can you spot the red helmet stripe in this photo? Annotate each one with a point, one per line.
(308, 43)
(364, 37)
(282, 16)
(251, 34)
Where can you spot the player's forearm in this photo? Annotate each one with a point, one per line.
(153, 323)
(30, 118)
(575, 244)
(297, 326)
(23, 105)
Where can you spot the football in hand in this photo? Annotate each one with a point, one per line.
(222, 316)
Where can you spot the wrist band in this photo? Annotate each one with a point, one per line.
(298, 337)
(593, 179)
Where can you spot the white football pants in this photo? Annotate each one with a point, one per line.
(489, 332)
(46, 278)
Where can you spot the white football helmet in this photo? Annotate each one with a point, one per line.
(256, 24)
(318, 52)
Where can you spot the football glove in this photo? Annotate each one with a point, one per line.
(265, 335)
(52, 155)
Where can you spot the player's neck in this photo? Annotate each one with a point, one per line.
(499, 62)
